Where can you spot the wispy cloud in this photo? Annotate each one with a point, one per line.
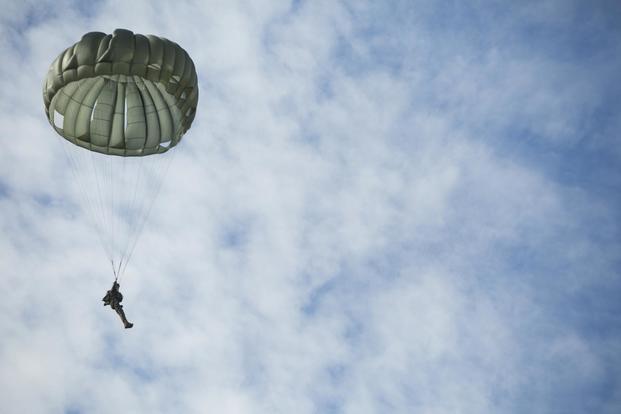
(404, 208)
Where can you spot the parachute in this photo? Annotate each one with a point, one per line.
(120, 102)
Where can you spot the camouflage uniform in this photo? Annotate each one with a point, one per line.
(114, 298)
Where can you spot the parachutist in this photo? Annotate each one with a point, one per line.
(114, 298)
(129, 98)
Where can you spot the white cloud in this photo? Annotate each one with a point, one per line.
(345, 228)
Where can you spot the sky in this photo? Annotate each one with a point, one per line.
(381, 207)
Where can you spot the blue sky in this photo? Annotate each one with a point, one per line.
(406, 207)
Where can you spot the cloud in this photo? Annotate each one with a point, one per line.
(377, 209)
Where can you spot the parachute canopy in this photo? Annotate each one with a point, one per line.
(123, 94)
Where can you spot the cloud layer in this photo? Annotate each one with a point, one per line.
(379, 208)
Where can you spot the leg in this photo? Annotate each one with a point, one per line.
(121, 313)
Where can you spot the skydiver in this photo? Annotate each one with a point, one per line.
(114, 298)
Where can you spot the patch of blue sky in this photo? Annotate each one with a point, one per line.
(88, 8)
(556, 279)
(112, 355)
(328, 405)
(580, 32)
(43, 199)
(144, 375)
(593, 312)
(589, 310)
(595, 170)
(34, 14)
(589, 158)
(234, 234)
(317, 296)
(377, 54)
(557, 385)
(31, 16)
(296, 4)
(558, 30)
(461, 30)
(331, 400)
(391, 35)
(336, 373)
(141, 370)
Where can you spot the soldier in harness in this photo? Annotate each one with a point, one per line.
(114, 298)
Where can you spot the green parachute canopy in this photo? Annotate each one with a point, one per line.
(122, 94)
